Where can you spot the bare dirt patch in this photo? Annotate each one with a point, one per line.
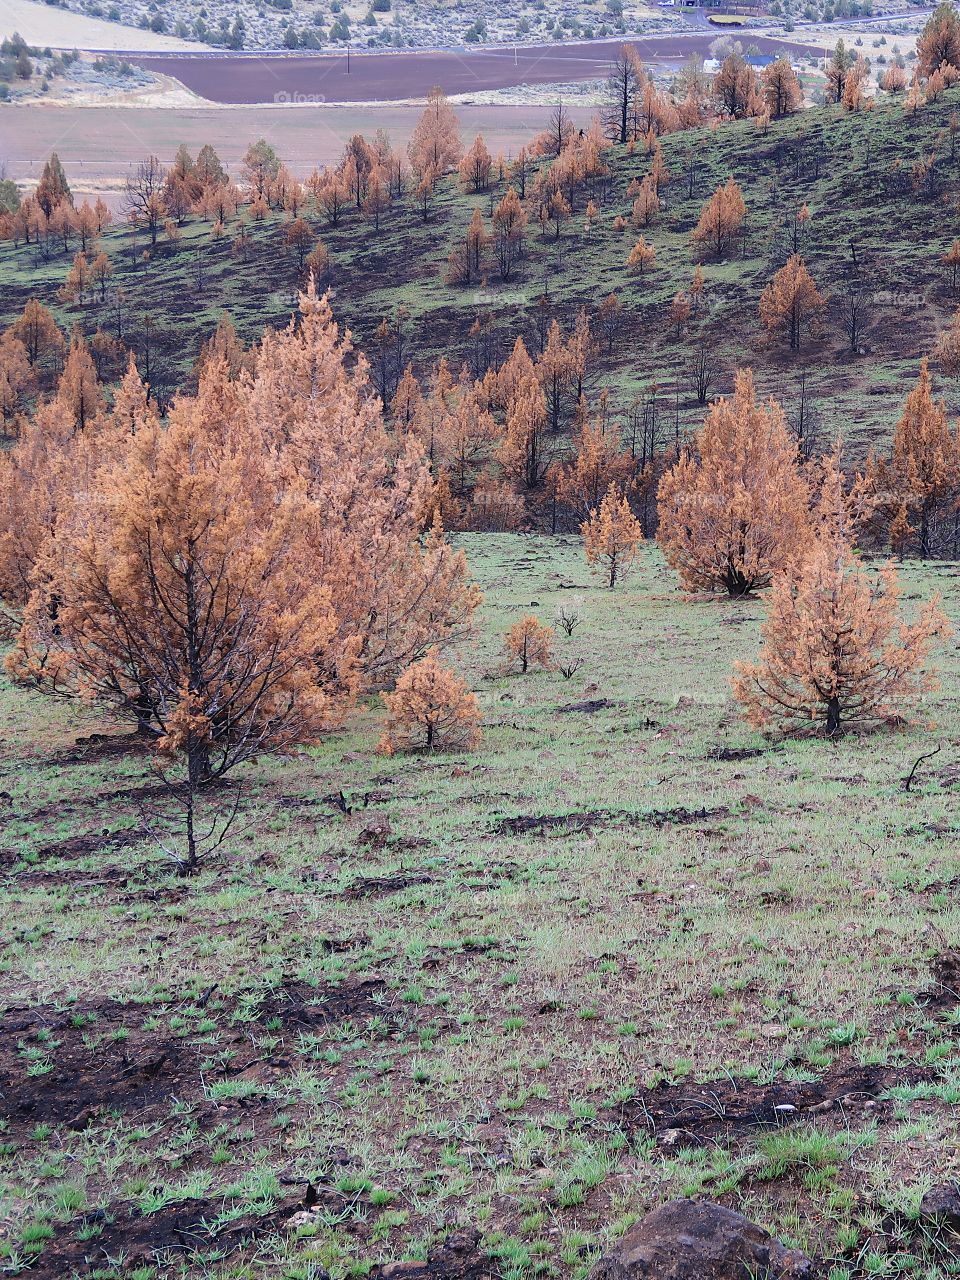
(73, 1067)
(298, 1005)
(79, 846)
(591, 707)
(694, 1114)
(683, 817)
(174, 1232)
(53, 1070)
(457, 1258)
(566, 823)
(382, 886)
(102, 746)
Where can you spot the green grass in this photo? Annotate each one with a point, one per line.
(521, 993)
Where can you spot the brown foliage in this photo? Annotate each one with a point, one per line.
(524, 452)
(476, 165)
(680, 309)
(646, 205)
(919, 484)
(509, 224)
(735, 514)
(642, 255)
(529, 644)
(854, 98)
(435, 146)
(781, 88)
(38, 331)
(183, 592)
(226, 346)
(430, 709)
(835, 653)
(790, 300)
(599, 463)
(612, 538)
(947, 350)
(274, 501)
(53, 188)
(939, 41)
(720, 218)
(16, 377)
(78, 397)
(735, 85)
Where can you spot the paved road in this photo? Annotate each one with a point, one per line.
(392, 77)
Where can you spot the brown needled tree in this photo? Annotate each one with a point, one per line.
(781, 88)
(919, 484)
(720, 219)
(232, 580)
(182, 593)
(612, 537)
(939, 41)
(431, 709)
(529, 644)
(435, 146)
(734, 512)
(642, 256)
(835, 653)
(791, 300)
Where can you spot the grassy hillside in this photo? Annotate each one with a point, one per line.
(489, 995)
(870, 230)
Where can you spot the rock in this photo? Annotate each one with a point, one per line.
(458, 1258)
(675, 1139)
(940, 1207)
(699, 1240)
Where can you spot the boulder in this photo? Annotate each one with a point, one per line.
(699, 1240)
(940, 1207)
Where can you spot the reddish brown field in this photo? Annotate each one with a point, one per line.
(389, 77)
(100, 145)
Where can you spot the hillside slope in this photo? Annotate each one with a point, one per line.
(878, 227)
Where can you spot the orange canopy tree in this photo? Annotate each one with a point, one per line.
(835, 653)
(734, 511)
(782, 92)
(919, 484)
(431, 709)
(791, 300)
(232, 580)
(182, 591)
(939, 41)
(395, 590)
(720, 218)
(529, 644)
(612, 537)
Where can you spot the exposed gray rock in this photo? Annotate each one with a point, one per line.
(941, 1207)
(699, 1240)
